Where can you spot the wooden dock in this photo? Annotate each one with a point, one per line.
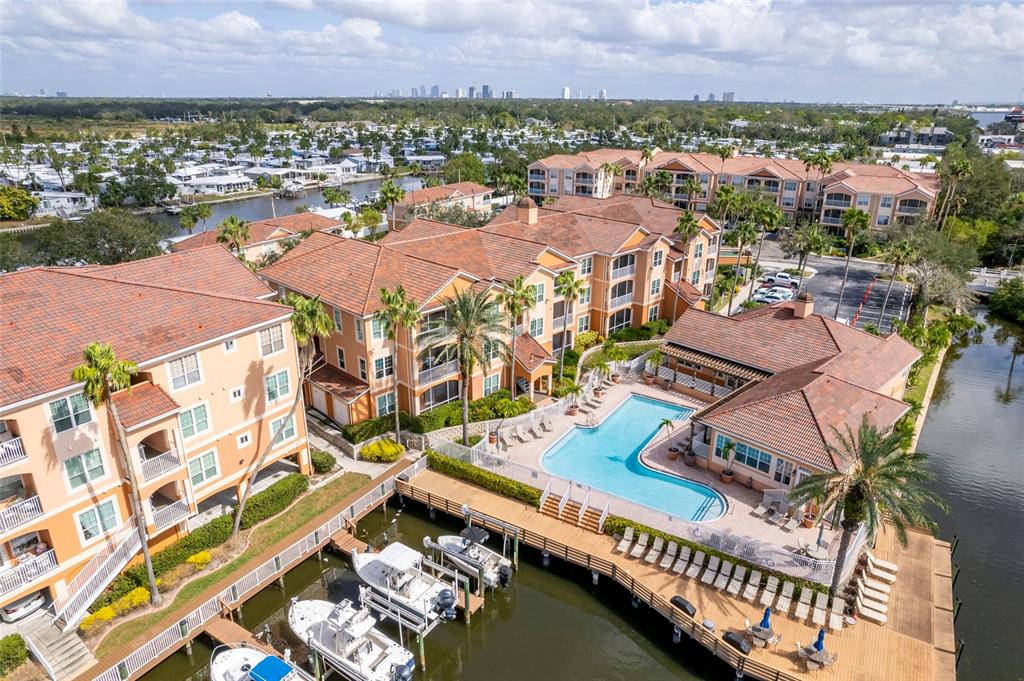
(917, 643)
(224, 630)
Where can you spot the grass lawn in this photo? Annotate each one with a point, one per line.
(270, 532)
(630, 350)
(915, 393)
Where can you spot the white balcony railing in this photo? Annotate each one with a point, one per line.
(164, 516)
(829, 220)
(156, 466)
(621, 300)
(27, 571)
(700, 448)
(20, 513)
(434, 373)
(910, 210)
(584, 179)
(623, 271)
(835, 203)
(12, 451)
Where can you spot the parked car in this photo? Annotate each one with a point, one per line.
(784, 292)
(768, 298)
(782, 278)
(23, 607)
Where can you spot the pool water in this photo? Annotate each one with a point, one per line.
(608, 458)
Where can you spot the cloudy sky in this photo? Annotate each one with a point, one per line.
(804, 50)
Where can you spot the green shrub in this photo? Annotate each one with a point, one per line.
(12, 653)
(473, 439)
(477, 476)
(631, 334)
(563, 387)
(323, 462)
(274, 499)
(658, 327)
(382, 451)
(364, 430)
(587, 339)
(483, 409)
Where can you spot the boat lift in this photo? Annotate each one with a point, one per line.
(488, 522)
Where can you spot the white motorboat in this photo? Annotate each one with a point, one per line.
(396, 575)
(349, 641)
(240, 662)
(467, 551)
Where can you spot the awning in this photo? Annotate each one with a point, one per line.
(713, 363)
(530, 354)
(338, 383)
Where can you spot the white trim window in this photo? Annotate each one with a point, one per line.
(586, 266)
(71, 411)
(652, 314)
(492, 384)
(95, 522)
(538, 293)
(185, 371)
(230, 346)
(341, 358)
(287, 426)
(277, 385)
(203, 468)
(84, 468)
(659, 257)
(537, 327)
(362, 369)
(194, 421)
(386, 404)
(377, 329)
(585, 296)
(237, 394)
(338, 321)
(243, 440)
(383, 367)
(359, 330)
(271, 340)
(583, 324)
(655, 286)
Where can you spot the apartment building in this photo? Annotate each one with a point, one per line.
(469, 195)
(886, 193)
(217, 367)
(634, 273)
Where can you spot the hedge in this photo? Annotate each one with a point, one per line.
(382, 451)
(646, 332)
(13, 653)
(274, 499)
(364, 430)
(323, 462)
(457, 468)
(616, 525)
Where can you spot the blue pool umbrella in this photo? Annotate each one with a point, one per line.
(766, 621)
(819, 645)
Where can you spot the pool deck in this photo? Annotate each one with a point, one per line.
(741, 500)
(917, 643)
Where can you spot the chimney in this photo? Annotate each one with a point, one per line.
(803, 306)
(527, 210)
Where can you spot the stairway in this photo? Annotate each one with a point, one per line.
(591, 520)
(550, 506)
(64, 655)
(571, 512)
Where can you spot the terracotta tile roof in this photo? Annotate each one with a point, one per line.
(530, 354)
(262, 231)
(338, 382)
(686, 291)
(144, 402)
(419, 228)
(656, 216)
(349, 273)
(419, 197)
(47, 317)
(571, 233)
(594, 158)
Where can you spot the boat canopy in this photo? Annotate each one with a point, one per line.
(400, 557)
(477, 535)
(270, 668)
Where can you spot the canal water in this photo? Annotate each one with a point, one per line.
(974, 436)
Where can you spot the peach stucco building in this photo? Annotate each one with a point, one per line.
(217, 371)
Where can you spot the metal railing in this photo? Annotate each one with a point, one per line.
(835, 203)
(27, 571)
(20, 513)
(38, 655)
(12, 451)
(170, 514)
(158, 465)
(434, 373)
(620, 300)
(623, 271)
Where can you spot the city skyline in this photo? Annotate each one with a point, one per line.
(293, 48)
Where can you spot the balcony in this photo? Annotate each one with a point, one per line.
(584, 180)
(831, 220)
(27, 571)
(19, 513)
(439, 371)
(836, 203)
(171, 514)
(12, 451)
(626, 271)
(620, 301)
(159, 464)
(910, 210)
(537, 174)
(536, 188)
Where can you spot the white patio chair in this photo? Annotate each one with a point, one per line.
(785, 600)
(683, 562)
(753, 584)
(627, 539)
(737, 580)
(803, 606)
(670, 555)
(652, 555)
(723, 575)
(768, 597)
(640, 546)
(711, 571)
(698, 563)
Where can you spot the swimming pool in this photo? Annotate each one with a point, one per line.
(608, 458)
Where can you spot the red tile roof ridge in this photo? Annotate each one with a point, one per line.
(169, 255)
(369, 289)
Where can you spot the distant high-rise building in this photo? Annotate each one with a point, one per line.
(62, 94)
(459, 93)
(602, 94)
(486, 93)
(728, 96)
(509, 94)
(423, 90)
(472, 91)
(414, 92)
(711, 96)
(435, 90)
(579, 94)
(696, 98)
(567, 92)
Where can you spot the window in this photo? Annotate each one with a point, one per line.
(237, 394)
(623, 291)
(886, 202)
(383, 367)
(538, 293)
(185, 371)
(101, 518)
(863, 200)
(229, 346)
(244, 440)
(652, 314)
(659, 257)
(788, 202)
(271, 340)
(585, 296)
(695, 278)
(745, 454)
(84, 468)
(623, 265)
(698, 251)
(359, 330)
(583, 324)
(784, 472)
(789, 186)
(286, 425)
(385, 404)
(337, 320)
(194, 421)
(655, 286)
(586, 266)
(620, 320)
(377, 331)
(341, 358)
(709, 266)
(362, 368)
(439, 394)
(492, 349)
(537, 327)
(492, 384)
(203, 468)
(277, 385)
(882, 220)
(68, 412)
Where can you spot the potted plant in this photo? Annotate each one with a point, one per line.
(615, 354)
(808, 519)
(603, 372)
(690, 457)
(728, 451)
(573, 392)
(653, 363)
(669, 425)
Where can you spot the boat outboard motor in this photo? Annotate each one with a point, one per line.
(446, 604)
(404, 673)
(504, 576)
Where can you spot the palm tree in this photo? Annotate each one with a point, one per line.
(668, 425)
(188, 218)
(398, 312)
(724, 152)
(390, 194)
(647, 155)
(570, 288)
(958, 170)
(692, 189)
(881, 480)
(822, 162)
(234, 232)
(854, 222)
(516, 299)
(203, 211)
(768, 217)
(335, 196)
(687, 228)
(805, 240)
(899, 255)
(612, 170)
(103, 374)
(470, 329)
(515, 185)
(309, 320)
(746, 232)
(727, 199)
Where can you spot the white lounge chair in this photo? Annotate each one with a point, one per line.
(696, 565)
(877, 572)
(670, 555)
(640, 546)
(785, 600)
(872, 594)
(780, 513)
(737, 580)
(769, 590)
(723, 575)
(503, 440)
(882, 564)
(836, 614)
(791, 523)
(655, 552)
(683, 562)
(545, 423)
(520, 433)
(753, 584)
(870, 613)
(535, 430)
(711, 571)
(627, 539)
(818, 614)
(872, 583)
(803, 606)
(869, 602)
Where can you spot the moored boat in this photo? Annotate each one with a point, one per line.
(467, 551)
(241, 662)
(397, 576)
